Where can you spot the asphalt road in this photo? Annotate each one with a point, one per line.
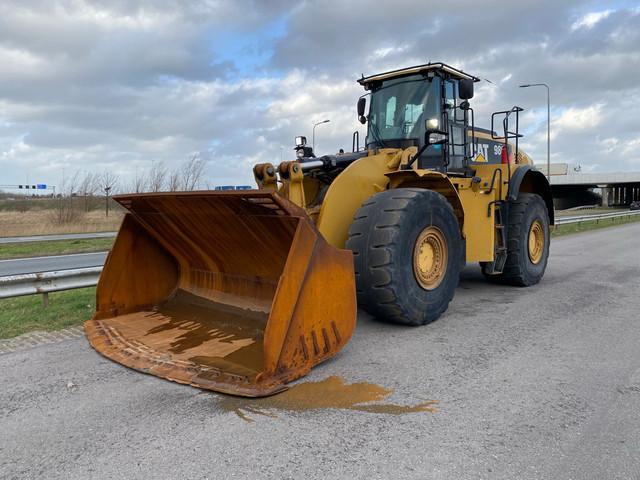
(50, 263)
(537, 383)
(48, 238)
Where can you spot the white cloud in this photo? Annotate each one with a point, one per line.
(574, 119)
(590, 19)
(632, 147)
(609, 144)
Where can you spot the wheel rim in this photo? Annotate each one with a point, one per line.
(536, 242)
(430, 256)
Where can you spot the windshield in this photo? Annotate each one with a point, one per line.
(400, 107)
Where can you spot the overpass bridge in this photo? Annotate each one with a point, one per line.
(572, 187)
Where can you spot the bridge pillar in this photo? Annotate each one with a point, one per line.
(606, 196)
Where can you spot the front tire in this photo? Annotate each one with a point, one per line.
(527, 241)
(408, 253)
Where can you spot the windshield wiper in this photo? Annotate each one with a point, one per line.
(376, 135)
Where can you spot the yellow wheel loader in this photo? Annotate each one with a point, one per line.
(244, 291)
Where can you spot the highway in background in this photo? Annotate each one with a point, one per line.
(62, 236)
(532, 383)
(18, 266)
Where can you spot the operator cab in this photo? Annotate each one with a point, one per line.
(425, 106)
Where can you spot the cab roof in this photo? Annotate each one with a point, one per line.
(443, 67)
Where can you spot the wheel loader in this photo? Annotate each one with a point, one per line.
(244, 291)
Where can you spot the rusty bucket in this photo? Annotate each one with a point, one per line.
(229, 291)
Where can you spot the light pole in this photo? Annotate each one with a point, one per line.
(313, 134)
(107, 189)
(548, 124)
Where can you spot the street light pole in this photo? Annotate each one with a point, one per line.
(313, 134)
(548, 123)
(106, 204)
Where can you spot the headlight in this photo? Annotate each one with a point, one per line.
(432, 123)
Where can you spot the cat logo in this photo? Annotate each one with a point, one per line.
(480, 158)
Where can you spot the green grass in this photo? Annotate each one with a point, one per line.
(592, 225)
(24, 314)
(57, 247)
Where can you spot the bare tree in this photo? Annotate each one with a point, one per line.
(66, 211)
(139, 183)
(108, 181)
(89, 183)
(88, 186)
(173, 182)
(157, 177)
(192, 172)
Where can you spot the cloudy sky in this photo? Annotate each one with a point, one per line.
(119, 84)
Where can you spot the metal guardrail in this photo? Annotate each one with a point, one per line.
(46, 282)
(56, 237)
(596, 217)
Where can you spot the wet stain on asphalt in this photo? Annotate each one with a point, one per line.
(331, 393)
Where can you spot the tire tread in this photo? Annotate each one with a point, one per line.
(373, 239)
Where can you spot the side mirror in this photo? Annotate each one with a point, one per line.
(362, 102)
(434, 136)
(465, 88)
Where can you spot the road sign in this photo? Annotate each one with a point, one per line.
(37, 186)
(233, 187)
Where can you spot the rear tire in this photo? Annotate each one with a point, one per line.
(408, 253)
(527, 242)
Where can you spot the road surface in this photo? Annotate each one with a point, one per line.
(536, 383)
(54, 262)
(48, 238)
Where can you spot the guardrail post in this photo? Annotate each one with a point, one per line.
(45, 299)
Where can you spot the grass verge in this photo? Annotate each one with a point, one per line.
(66, 309)
(592, 225)
(57, 247)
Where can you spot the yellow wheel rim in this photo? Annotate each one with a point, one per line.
(536, 242)
(430, 256)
